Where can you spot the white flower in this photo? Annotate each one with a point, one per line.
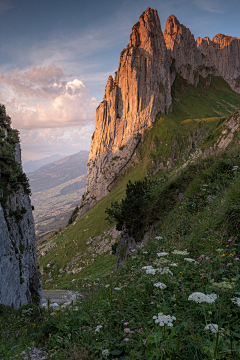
(98, 328)
(106, 286)
(236, 301)
(189, 259)
(219, 250)
(164, 319)
(117, 288)
(145, 252)
(151, 271)
(235, 168)
(147, 267)
(160, 285)
(173, 264)
(158, 238)
(199, 297)
(162, 254)
(105, 353)
(213, 328)
(165, 271)
(179, 252)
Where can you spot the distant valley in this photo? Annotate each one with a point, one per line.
(56, 190)
(33, 165)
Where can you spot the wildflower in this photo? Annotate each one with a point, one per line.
(105, 353)
(160, 285)
(126, 323)
(180, 196)
(106, 286)
(145, 252)
(173, 264)
(117, 288)
(159, 238)
(144, 341)
(164, 319)
(98, 328)
(236, 301)
(147, 267)
(126, 339)
(237, 259)
(234, 168)
(213, 328)
(199, 297)
(162, 254)
(229, 264)
(223, 255)
(227, 245)
(189, 259)
(127, 330)
(151, 271)
(165, 271)
(179, 252)
(219, 250)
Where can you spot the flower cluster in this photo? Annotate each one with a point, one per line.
(98, 328)
(179, 252)
(164, 319)
(105, 353)
(199, 297)
(162, 254)
(160, 285)
(165, 271)
(189, 259)
(213, 328)
(236, 301)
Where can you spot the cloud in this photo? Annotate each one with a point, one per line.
(42, 98)
(213, 6)
(5, 5)
(38, 143)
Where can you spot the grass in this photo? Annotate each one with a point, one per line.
(196, 247)
(194, 114)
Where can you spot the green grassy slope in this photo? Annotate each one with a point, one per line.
(194, 109)
(196, 250)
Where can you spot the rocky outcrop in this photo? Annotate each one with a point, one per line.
(191, 58)
(141, 88)
(20, 282)
(125, 247)
(139, 91)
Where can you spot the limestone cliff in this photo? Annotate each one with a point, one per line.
(191, 58)
(141, 88)
(20, 282)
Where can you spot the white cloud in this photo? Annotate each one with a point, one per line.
(42, 98)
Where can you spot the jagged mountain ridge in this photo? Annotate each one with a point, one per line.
(141, 88)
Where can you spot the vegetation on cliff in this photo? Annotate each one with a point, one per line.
(178, 294)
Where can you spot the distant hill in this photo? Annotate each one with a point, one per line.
(56, 190)
(33, 165)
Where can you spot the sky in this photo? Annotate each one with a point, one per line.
(56, 57)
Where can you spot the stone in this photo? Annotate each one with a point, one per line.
(20, 281)
(141, 88)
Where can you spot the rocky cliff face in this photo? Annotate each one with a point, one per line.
(191, 58)
(20, 282)
(141, 88)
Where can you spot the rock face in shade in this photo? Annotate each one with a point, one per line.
(141, 88)
(20, 282)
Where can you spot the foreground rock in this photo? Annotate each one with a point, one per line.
(20, 282)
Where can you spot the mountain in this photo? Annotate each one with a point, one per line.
(20, 282)
(32, 165)
(56, 190)
(142, 88)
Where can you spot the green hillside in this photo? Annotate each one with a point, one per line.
(195, 113)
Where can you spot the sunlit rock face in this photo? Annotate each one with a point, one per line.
(139, 91)
(141, 88)
(191, 58)
(20, 282)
